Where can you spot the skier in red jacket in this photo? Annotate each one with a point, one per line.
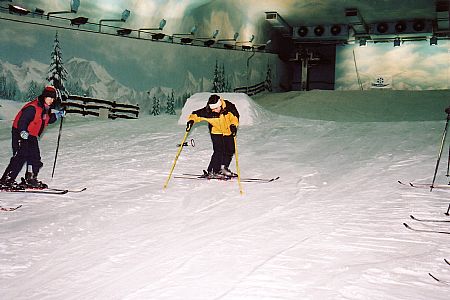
(28, 125)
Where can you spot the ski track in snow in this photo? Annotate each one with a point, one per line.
(329, 228)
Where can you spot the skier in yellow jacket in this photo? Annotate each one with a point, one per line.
(223, 121)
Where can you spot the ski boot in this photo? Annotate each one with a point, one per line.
(227, 172)
(217, 175)
(31, 181)
(9, 184)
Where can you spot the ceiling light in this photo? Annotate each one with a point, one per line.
(38, 12)
(14, 9)
(162, 23)
(186, 41)
(124, 31)
(158, 36)
(74, 5)
(78, 21)
(125, 15)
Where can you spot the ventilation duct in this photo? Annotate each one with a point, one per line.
(321, 32)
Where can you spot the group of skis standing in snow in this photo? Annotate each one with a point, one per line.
(31, 120)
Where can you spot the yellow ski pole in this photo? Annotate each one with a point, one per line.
(176, 158)
(237, 166)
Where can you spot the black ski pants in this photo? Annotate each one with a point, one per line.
(223, 147)
(24, 151)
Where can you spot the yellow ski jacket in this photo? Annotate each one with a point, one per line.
(218, 123)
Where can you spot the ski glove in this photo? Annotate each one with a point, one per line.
(233, 129)
(24, 134)
(60, 114)
(189, 125)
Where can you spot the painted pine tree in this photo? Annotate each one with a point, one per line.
(156, 109)
(268, 83)
(170, 108)
(216, 79)
(57, 74)
(33, 91)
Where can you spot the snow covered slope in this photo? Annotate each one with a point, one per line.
(330, 228)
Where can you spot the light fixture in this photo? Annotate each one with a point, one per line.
(74, 5)
(362, 42)
(209, 41)
(185, 40)
(38, 12)
(162, 23)
(15, 9)
(158, 36)
(247, 47)
(230, 46)
(433, 40)
(125, 15)
(124, 31)
(78, 21)
(263, 46)
(397, 42)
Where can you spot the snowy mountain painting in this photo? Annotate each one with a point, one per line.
(92, 78)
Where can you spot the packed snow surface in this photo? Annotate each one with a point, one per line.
(330, 228)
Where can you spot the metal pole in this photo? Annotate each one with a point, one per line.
(57, 145)
(440, 152)
(176, 158)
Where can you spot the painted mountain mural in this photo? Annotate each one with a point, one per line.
(25, 81)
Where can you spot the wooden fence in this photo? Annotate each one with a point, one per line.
(252, 90)
(100, 108)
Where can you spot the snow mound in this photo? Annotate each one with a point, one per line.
(250, 112)
(359, 106)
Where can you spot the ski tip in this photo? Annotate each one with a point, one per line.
(406, 225)
(412, 217)
(435, 278)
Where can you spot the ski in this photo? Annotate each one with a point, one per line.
(425, 230)
(424, 185)
(68, 190)
(12, 208)
(437, 279)
(429, 220)
(244, 179)
(201, 178)
(36, 191)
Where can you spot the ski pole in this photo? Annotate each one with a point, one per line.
(440, 152)
(176, 158)
(448, 162)
(57, 145)
(237, 166)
